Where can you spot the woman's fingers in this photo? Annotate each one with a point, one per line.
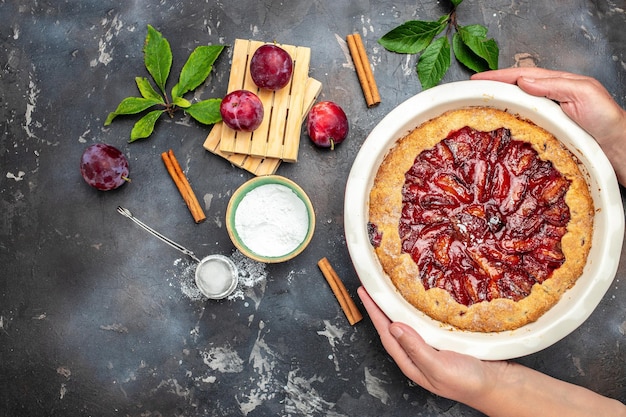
(511, 75)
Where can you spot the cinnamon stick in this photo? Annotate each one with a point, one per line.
(341, 293)
(181, 182)
(363, 69)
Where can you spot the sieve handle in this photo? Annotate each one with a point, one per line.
(127, 213)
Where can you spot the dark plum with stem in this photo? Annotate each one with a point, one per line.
(242, 110)
(327, 124)
(271, 67)
(104, 167)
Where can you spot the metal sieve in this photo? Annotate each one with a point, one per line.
(216, 275)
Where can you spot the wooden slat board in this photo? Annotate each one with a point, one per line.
(278, 136)
(254, 164)
(277, 139)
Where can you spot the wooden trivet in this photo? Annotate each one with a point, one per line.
(253, 164)
(278, 137)
(279, 133)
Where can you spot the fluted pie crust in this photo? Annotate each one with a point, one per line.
(500, 314)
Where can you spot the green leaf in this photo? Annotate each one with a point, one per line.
(466, 56)
(146, 89)
(175, 93)
(413, 36)
(474, 36)
(478, 31)
(206, 111)
(132, 105)
(145, 126)
(181, 102)
(434, 62)
(157, 57)
(197, 68)
(455, 3)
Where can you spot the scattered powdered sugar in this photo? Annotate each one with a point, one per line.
(251, 275)
(185, 275)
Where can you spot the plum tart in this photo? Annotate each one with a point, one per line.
(481, 219)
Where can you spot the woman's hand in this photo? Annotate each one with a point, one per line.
(582, 98)
(498, 389)
(445, 373)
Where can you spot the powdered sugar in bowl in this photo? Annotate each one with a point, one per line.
(270, 219)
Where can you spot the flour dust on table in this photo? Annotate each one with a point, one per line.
(252, 275)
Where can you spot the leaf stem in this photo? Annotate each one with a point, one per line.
(453, 21)
(170, 108)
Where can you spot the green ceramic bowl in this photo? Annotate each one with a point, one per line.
(270, 219)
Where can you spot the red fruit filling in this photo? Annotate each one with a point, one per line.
(483, 216)
(374, 235)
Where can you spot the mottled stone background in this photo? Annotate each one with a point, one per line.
(97, 318)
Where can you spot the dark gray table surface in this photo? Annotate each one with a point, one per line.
(97, 318)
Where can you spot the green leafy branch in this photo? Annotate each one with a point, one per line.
(158, 62)
(469, 44)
